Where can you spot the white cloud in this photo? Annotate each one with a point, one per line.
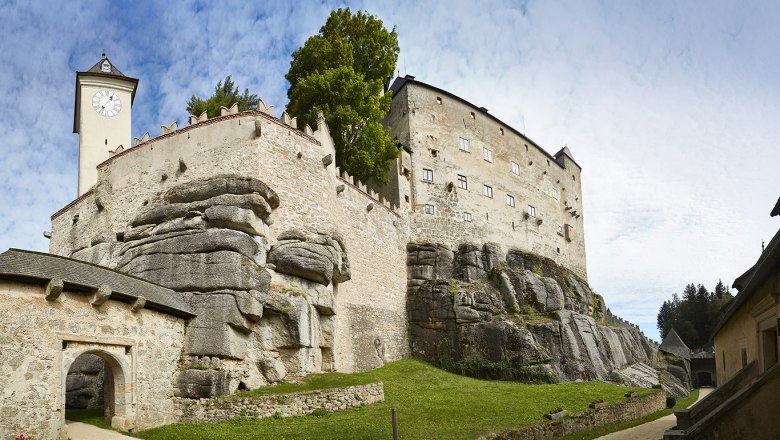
(670, 107)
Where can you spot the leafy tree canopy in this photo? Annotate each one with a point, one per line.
(341, 72)
(226, 93)
(695, 316)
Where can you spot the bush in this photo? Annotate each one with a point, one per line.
(319, 412)
(670, 401)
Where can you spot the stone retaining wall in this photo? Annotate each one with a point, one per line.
(287, 405)
(630, 409)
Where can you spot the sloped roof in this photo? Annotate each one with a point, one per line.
(98, 67)
(776, 209)
(401, 82)
(674, 345)
(39, 268)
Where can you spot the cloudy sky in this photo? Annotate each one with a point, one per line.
(671, 107)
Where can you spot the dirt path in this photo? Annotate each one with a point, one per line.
(651, 430)
(83, 431)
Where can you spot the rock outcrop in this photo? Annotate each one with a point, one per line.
(519, 317)
(271, 307)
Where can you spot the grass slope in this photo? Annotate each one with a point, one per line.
(431, 403)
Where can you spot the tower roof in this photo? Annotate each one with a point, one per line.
(105, 66)
(674, 345)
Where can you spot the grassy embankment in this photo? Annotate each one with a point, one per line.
(431, 404)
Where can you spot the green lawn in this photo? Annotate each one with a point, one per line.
(431, 404)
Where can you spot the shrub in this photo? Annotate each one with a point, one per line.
(319, 412)
(670, 401)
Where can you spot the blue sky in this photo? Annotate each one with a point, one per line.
(671, 108)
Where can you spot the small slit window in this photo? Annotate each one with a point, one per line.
(500, 129)
(487, 191)
(555, 193)
(473, 116)
(438, 100)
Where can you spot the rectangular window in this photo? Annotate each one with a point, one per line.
(502, 131)
(462, 182)
(515, 168)
(555, 193)
(463, 144)
(438, 100)
(473, 116)
(487, 191)
(560, 230)
(427, 175)
(531, 211)
(510, 200)
(466, 216)
(487, 154)
(429, 209)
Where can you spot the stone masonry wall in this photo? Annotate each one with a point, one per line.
(40, 340)
(286, 405)
(313, 199)
(433, 133)
(630, 409)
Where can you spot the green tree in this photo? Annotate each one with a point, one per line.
(226, 93)
(341, 72)
(695, 315)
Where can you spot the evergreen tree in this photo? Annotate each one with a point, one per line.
(695, 315)
(225, 95)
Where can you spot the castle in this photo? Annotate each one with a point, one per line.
(232, 253)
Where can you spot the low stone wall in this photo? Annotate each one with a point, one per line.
(630, 409)
(286, 405)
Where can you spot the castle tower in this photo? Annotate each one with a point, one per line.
(102, 118)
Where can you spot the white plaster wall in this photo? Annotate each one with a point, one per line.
(33, 363)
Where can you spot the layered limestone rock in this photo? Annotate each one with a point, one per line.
(263, 312)
(517, 317)
(84, 384)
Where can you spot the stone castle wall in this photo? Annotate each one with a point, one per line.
(369, 325)
(41, 339)
(430, 122)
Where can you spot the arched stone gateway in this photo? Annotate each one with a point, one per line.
(119, 376)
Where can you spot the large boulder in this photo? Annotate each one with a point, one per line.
(320, 258)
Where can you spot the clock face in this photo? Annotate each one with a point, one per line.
(106, 103)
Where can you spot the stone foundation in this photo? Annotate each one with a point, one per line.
(630, 409)
(286, 405)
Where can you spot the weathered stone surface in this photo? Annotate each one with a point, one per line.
(319, 258)
(525, 313)
(84, 383)
(219, 185)
(200, 384)
(232, 217)
(273, 369)
(204, 272)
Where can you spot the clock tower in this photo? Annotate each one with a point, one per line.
(104, 98)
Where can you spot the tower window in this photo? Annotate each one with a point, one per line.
(463, 144)
(427, 175)
(429, 209)
(487, 191)
(466, 216)
(531, 211)
(487, 154)
(555, 193)
(438, 100)
(105, 67)
(510, 200)
(473, 116)
(515, 168)
(462, 182)
(501, 130)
